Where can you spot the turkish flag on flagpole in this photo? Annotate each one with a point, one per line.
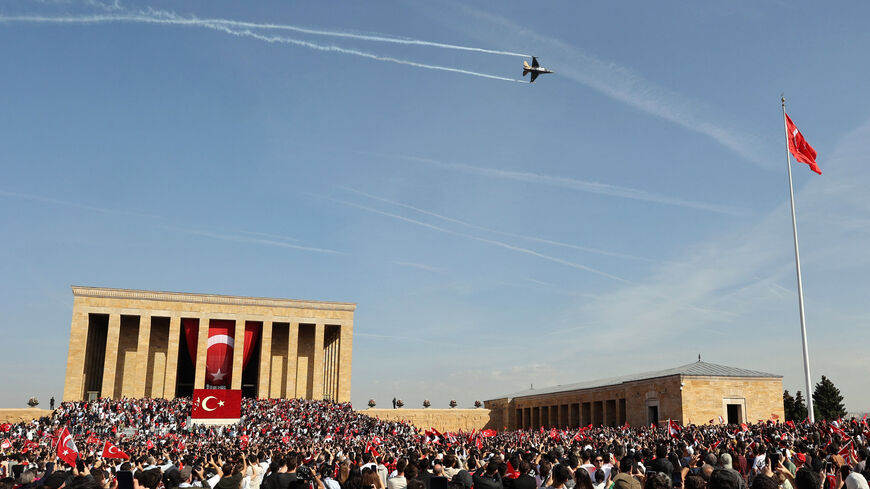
(66, 448)
(110, 450)
(799, 147)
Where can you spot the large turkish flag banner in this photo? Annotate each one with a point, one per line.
(216, 405)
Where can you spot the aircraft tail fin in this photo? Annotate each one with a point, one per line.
(526, 65)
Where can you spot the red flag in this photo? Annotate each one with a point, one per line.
(512, 473)
(553, 433)
(6, 444)
(478, 443)
(149, 445)
(721, 420)
(110, 450)
(66, 448)
(370, 448)
(774, 416)
(92, 439)
(673, 429)
(579, 436)
(5, 427)
(799, 147)
(216, 404)
(489, 433)
(285, 439)
(846, 452)
(713, 446)
(744, 427)
(181, 446)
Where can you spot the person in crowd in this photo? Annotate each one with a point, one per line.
(314, 444)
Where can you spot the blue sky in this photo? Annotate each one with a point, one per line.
(624, 214)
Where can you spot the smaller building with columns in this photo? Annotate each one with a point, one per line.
(139, 343)
(693, 393)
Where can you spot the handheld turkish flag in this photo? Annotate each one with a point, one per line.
(149, 445)
(799, 147)
(5, 427)
(66, 448)
(92, 439)
(110, 450)
(673, 429)
(489, 433)
(370, 448)
(6, 444)
(216, 406)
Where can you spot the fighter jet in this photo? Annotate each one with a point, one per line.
(535, 69)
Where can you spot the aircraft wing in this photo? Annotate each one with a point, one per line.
(534, 75)
(535, 62)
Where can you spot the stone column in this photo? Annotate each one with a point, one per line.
(201, 349)
(292, 353)
(265, 359)
(172, 357)
(238, 350)
(75, 361)
(111, 363)
(142, 353)
(345, 356)
(317, 360)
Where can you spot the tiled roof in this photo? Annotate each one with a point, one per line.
(696, 369)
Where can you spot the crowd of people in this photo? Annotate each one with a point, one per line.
(304, 444)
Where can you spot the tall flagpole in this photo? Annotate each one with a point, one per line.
(797, 260)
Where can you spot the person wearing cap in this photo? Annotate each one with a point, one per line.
(626, 479)
(725, 463)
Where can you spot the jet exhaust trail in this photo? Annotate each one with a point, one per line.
(223, 25)
(361, 37)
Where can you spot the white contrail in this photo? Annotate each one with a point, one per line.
(350, 35)
(576, 184)
(171, 19)
(495, 231)
(493, 242)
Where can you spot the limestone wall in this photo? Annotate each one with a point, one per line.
(705, 398)
(440, 419)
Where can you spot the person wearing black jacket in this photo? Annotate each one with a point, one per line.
(525, 481)
(488, 478)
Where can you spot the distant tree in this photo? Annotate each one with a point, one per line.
(827, 401)
(800, 407)
(788, 406)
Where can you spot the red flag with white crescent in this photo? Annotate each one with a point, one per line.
(110, 450)
(216, 404)
(66, 447)
(6, 444)
(799, 147)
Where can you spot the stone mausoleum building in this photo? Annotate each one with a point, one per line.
(139, 343)
(693, 393)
